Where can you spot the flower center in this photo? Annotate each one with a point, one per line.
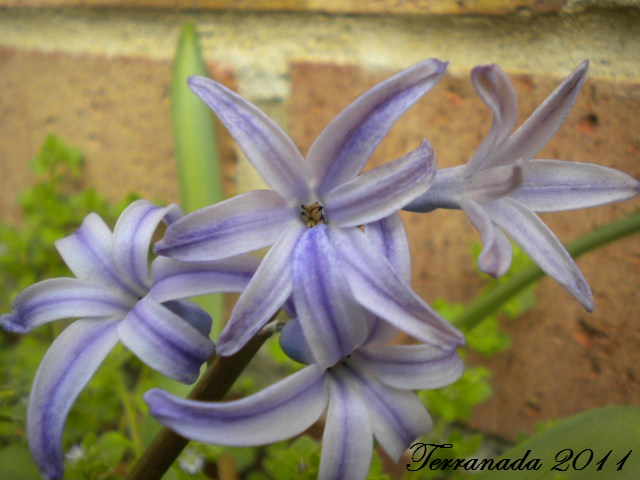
(312, 214)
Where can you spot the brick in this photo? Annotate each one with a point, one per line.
(563, 360)
(116, 110)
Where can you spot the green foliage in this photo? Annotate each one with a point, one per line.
(98, 457)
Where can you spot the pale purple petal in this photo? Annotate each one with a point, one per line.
(496, 90)
(494, 183)
(266, 146)
(379, 289)
(267, 291)
(397, 416)
(383, 190)
(332, 322)
(59, 298)
(66, 368)
(192, 313)
(413, 367)
(165, 341)
(544, 248)
(389, 237)
(444, 192)
(241, 224)
(538, 129)
(342, 149)
(276, 413)
(87, 253)
(495, 258)
(555, 185)
(132, 238)
(174, 280)
(347, 441)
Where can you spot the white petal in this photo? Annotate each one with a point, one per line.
(276, 413)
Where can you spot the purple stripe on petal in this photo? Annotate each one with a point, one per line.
(241, 224)
(332, 322)
(347, 442)
(413, 367)
(266, 146)
(397, 416)
(544, 248)
(276, 413)
(131, 239)
(342, 149)
(175, 280)
(383, 190)
(267, 292)
(60, 298)
(379, 289)
(66, 368)
(165, 341)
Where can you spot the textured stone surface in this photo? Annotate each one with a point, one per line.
(563, 360)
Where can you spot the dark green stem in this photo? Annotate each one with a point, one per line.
(486, 304)
(214, 385)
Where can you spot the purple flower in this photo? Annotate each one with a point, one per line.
(501, 187)
(116, 296)
(368, 393)
(326, 189)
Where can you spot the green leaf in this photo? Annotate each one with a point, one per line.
(196, 144)
(577, 448)
(16, 463)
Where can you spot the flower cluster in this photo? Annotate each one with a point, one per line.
(338, 263)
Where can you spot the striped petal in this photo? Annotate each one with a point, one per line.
(555, 185)
(266, 146)
(538, 129)
(496, 90)
(544, 248)
(88, 254)
(347, 441)
(413, 367)
(276, 413)
(379, 289)
(383, 190)
(174, 280)
(332, 322)
(59, 298)
(241, 224)
(165, 341)
(397, 416)
(70, 362)
(267, 291)
(132, 238)
(342, 149)
(496, 255)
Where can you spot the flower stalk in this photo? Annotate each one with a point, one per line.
(213, 385)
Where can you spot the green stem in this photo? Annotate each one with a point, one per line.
(486, 304)
(130, 416)
(214, 385)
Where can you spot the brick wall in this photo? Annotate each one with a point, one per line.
(97, 72)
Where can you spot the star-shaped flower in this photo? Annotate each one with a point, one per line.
(368, 393)
(116, 296)
(501, 187)
(324, 189)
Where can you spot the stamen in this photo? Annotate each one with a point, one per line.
(312, 214)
